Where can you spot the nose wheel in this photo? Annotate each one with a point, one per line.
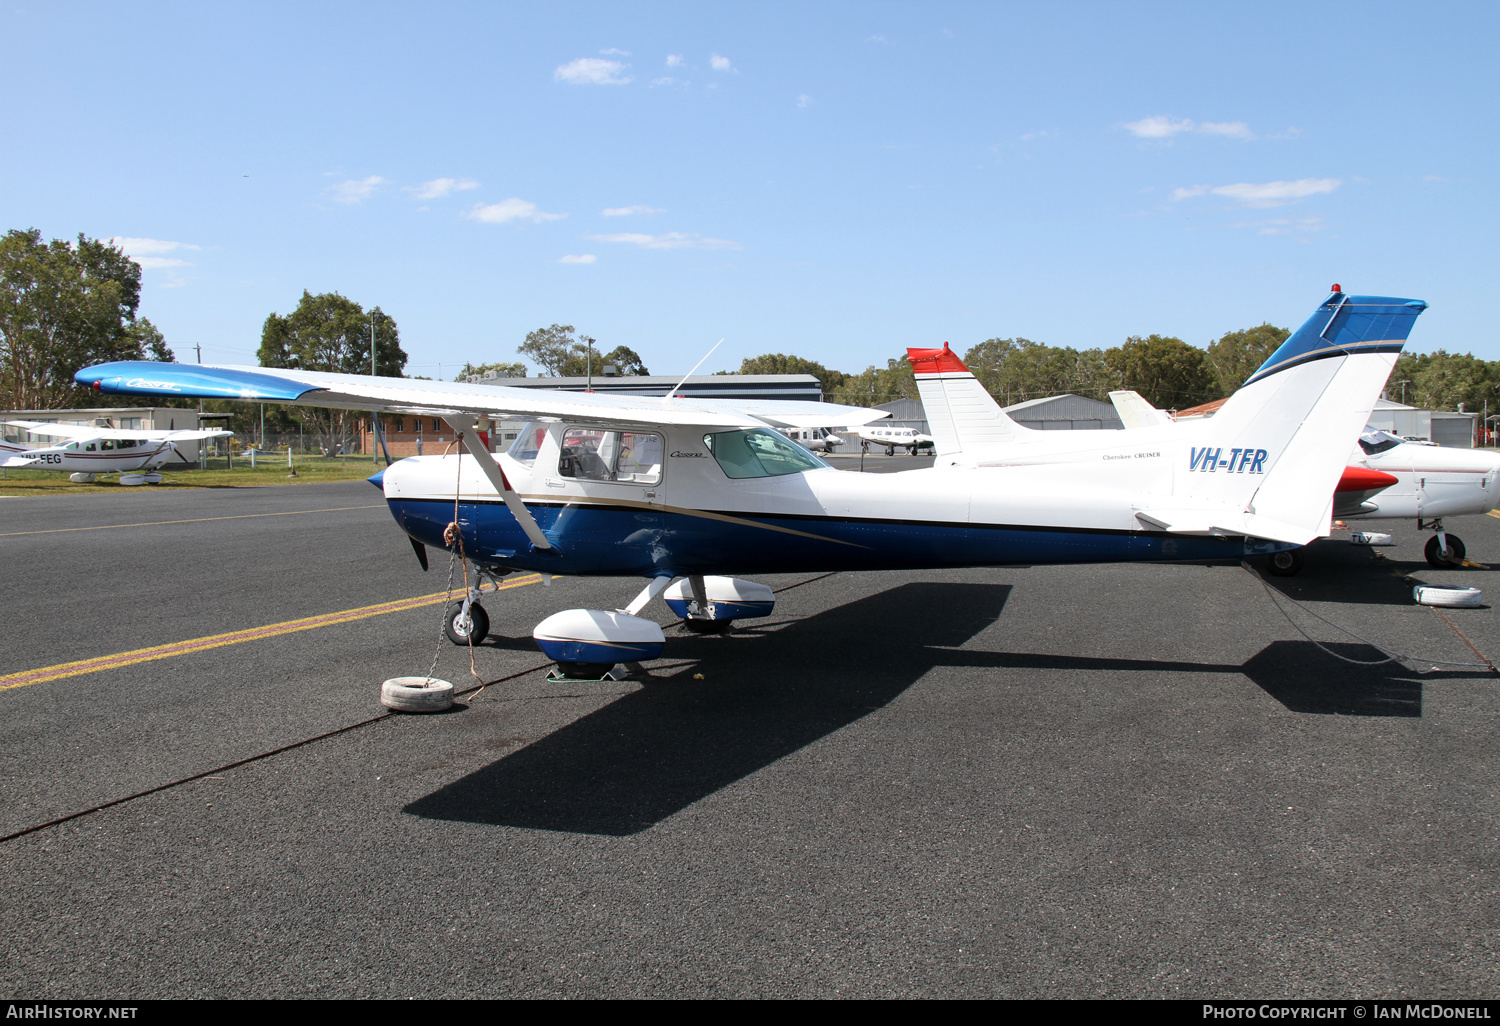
(466, 628)
(1445, 558)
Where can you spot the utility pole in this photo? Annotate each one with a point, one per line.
(374, 417)
(589, 387)
(199, 346)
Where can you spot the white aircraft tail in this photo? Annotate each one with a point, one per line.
(1135, 412)
(961, 415)
(1268, 462)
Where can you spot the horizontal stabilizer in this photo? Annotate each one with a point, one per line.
(1225, 522)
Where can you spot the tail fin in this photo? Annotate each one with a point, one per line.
(1277, 447)
(961, 415)
(1135, 412)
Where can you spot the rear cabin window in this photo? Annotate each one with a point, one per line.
(595, 454)
(757, 452)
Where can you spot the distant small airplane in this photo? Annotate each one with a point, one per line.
(90, 451)
(813, 439)
(893, 438)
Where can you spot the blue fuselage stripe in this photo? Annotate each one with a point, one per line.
(621, 541)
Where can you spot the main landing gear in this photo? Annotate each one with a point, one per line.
(588, 643)
(1284, 564)
(1444, 551)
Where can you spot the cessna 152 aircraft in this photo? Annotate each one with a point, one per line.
(697, 489)
(88, 451)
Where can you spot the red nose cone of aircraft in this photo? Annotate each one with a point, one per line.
(1363, 479)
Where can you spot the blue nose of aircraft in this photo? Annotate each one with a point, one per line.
(378, 478)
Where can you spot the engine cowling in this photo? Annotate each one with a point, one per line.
(598, 636)
(728, 599)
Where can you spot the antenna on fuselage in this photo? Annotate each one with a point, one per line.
(669, 395)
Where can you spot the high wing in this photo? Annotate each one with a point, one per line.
(432, 398)
(79, 432)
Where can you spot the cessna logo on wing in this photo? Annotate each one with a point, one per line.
(165, 386)
(1240, 461)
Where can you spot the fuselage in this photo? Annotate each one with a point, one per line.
(101, 456)
(681, 501)
(1431, 481)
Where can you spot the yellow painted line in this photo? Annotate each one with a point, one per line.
(177, 648)
(197, 520)
(1493, 513)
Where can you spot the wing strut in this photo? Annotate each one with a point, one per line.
(467, 428)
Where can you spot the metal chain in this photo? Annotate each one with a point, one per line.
(1391, 657)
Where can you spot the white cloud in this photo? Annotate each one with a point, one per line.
(591, 71)
(674, 60)
(619, 53)
(149, 252)
(639, 208)
(1283, 225)
(667, 240)
(357, 190)
(582, 258)
(1233, 129)
(665, 80)
(1189, 192)
(146, 247)
(512, 209)
(1163, 127)
(440, 187)
(1159, 127)
(720, 63)
(1275, 194)
(804, 100)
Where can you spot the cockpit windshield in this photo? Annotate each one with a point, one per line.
(528, 442)
(1373, 440)
(757, 452)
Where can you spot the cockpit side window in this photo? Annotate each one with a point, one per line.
(757, 452)
(1374, 440)
(596, 454)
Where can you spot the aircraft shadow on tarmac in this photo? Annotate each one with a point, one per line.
(1339, 572)
(654, 752)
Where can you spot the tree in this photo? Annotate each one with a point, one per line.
(829, 381)
(64, 307)
(550, 348)
(876, 385)
(1239, 354)
(1166, 371)
(563, 356)
(330, 333)
(1442, 380)
(504, 370)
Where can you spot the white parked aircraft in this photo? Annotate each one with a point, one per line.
(90, 451)
(819, 439)
(584, 495)
(893, 438)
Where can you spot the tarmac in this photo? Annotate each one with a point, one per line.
(1092, 781)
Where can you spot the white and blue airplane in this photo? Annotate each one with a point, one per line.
(89, 451)
(703, 491)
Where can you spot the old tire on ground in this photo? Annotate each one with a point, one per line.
(1453, 557)
(1284, 564)
(1451, 596)
(466, 630)
(416, 694)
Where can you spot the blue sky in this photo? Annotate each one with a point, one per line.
(835, 180)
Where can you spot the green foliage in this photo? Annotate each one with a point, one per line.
(779, 363)
(63, 307)
(1166, 371)
(1442, 380)
(328, 332)
(507, 370)
(1239, 354)
(876, 385)
(561, 355)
